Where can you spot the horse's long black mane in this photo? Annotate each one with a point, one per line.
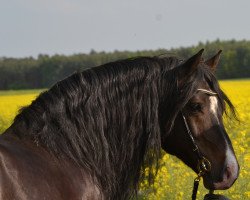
(108, 119)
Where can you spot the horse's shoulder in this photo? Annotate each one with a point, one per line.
(10, 165)
(31, 169)
(12, 148)
(24, 154)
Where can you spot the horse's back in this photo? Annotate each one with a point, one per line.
(30, 172)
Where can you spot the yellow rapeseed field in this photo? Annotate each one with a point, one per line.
(174, 180)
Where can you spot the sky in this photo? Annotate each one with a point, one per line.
(33, 27)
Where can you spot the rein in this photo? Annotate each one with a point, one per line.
(203, 165)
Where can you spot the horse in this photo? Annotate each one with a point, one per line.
(94, 134)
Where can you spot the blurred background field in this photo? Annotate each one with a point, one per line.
(174, 180)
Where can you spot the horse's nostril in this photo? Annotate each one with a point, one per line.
(228, 173)
(229, 177)
(232, 171)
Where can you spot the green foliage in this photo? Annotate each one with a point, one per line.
(20, 92)
(45, 70)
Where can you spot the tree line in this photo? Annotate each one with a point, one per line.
(45, 70)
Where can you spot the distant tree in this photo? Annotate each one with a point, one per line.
(45, 70)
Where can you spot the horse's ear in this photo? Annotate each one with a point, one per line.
(213, 62)
(189, 66)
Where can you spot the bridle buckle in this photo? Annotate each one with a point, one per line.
(203, 165)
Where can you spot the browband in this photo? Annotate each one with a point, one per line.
(207, 91)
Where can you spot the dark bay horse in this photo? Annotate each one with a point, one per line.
(93, 134)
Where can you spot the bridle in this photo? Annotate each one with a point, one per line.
(203, 164)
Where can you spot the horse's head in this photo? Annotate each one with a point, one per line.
(198, 129)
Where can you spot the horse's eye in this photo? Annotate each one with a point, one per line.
(195, 107)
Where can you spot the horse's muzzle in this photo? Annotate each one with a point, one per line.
(229, 176)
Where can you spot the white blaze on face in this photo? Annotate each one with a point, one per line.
(230, 158)
(232, 167)
(214, 106)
